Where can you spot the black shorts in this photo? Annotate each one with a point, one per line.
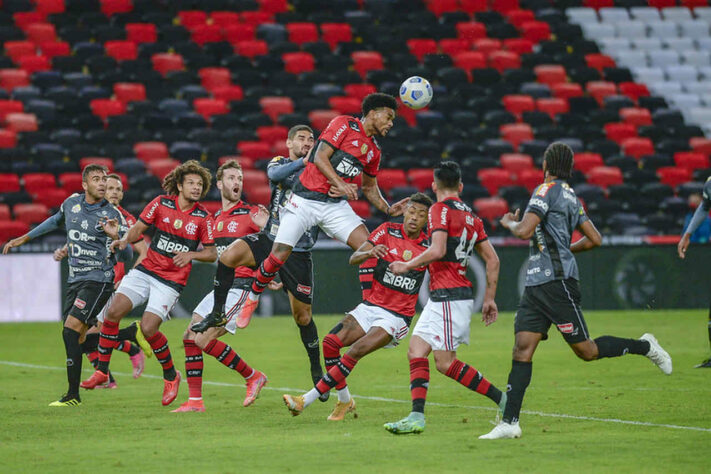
(556, 302)
(296, 274)
(85, 300)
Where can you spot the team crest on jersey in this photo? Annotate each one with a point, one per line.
(363, 148)
(177, 224)
(543, 189)
(191, 228)
(232, 227)
(76, 208)
(407, 255)
(220, 225)
(84, 224)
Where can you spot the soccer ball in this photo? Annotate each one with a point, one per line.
(416, 92)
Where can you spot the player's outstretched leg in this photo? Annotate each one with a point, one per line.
(254, 379)
(224, 277)
(470, 378)
(519, 378)
(657, 354)
(414, 423)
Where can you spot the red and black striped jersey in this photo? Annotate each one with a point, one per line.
(448, 276)
(175, 231)
(396, 293)
(232, 224)
(365, 275)
(119, 268)
(354, 153)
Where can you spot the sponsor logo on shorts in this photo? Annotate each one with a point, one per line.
(303, 289)
(566, 328)
(79, 303)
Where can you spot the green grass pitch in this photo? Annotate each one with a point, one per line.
(615, 415)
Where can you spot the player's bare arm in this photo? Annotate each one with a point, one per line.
(133, 234)
(322, 160)
(591, 238)
(141, 249)
(437, 250)
(16, 242)
(207, 254)
(524, 228)
(366, 251)
(489, 310)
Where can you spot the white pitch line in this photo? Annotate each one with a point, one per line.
(395, 400)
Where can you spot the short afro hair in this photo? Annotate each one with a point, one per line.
(448, 175)
(378, 100)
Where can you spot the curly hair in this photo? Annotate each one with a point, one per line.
(177, 176)
(559, 160)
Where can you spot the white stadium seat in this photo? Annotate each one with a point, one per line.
(700, 116)
(684, 73)
(694, 28)
(685, 101)
(678, 44)
(676, 13)
(706, 99)
(630, 58)
(647, 44)
(696, 58)
(645, 13)
(664, 57)
(581, 15)
(648, 74)
(631, 29)
(598, 30)
(614, 14)
(663, 29)
(705, 73)
(664, 87)
(611, 45)
(703, 43)
(701, 87)
(703, 13)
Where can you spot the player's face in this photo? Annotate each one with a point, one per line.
(383, 120)
(231, 184)
(114, 191)
(95, 185)
(191, 188)
(301, 144)
(415, 217)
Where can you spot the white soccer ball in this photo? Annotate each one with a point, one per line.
(416, 92)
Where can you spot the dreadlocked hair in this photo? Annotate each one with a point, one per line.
(177, 176)
(559, 160)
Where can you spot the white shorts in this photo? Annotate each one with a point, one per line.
(140, 287)
(102, 314)
(444, 325)
(298, 214)
(235, 298)
(374, 316)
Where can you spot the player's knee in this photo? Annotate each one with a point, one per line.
(148, 330)
(442, 365)
(202, 340)
(302, 316)
(281, 251)
(522, 353)
(586, 354)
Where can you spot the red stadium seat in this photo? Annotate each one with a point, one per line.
(419, 47)
(17, 49)
(245, 162)
(321, 118)
(149, 151)
(550, 74)
(439, 7)
(251, 49)
(24, 19)
(276, 106)
(48, 7)
(207, 107)
(529, 179)
(166, 62)
(586, 161)
(10, 106)
(469, 60)
(599, 61)
(20, 122)
(618, 132)
(494, 178)
(597, 4)
(33, 64)
(488, 45)
(503, 6)
(362, 208)
(600, 89)
(335, 33)
(359, 91)
(345, 105)
(694, 3)
(605, 176)
(364, 61)
(51, 49)
(225, 19)
(391, 178)
(129, 91)
(31, 213)
(255, 177)
(11, 78)
(637, 147)
(108, 163)
(259, 194)
(701, 145)
(518, 104)
(5, 212)
(490, 208)
(113, 7)
(271, 134)
(71, 182)
(9, 183)
(279, 148)
(299, 62)
(256, 17)
(691, 160)
(471, 31)
(502, 60)
(228, 93)
(234, 33)
(302, 32)
(536, 31)
(8, 139)
(566, 91)
(421, 178)
(516, 162)
(255, 149)
(41, 32)
(515, 133)
(473, 6)
(141, 32)
(518, 17)
(121, 50)
(661, 3)
(192, 18)
(552, 106)
(518, 45)
(211, 77)
(160, 168)
(274, 6)
(673, 176)
(202, 34)
(634, 90)
(38, 182)
(104, 108)
(452, 47)
(636, 116)
(11, 229)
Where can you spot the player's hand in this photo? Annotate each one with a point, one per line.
(182, 259)
(15, 243)
(275, 285)
(334, 191)
(110, 227)
(379, 251)
(398, 208)
(510, 218)
(60, 254)
(399, 268)
(118, 245)
(489, 312)
(683, 245)
(260, 216)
